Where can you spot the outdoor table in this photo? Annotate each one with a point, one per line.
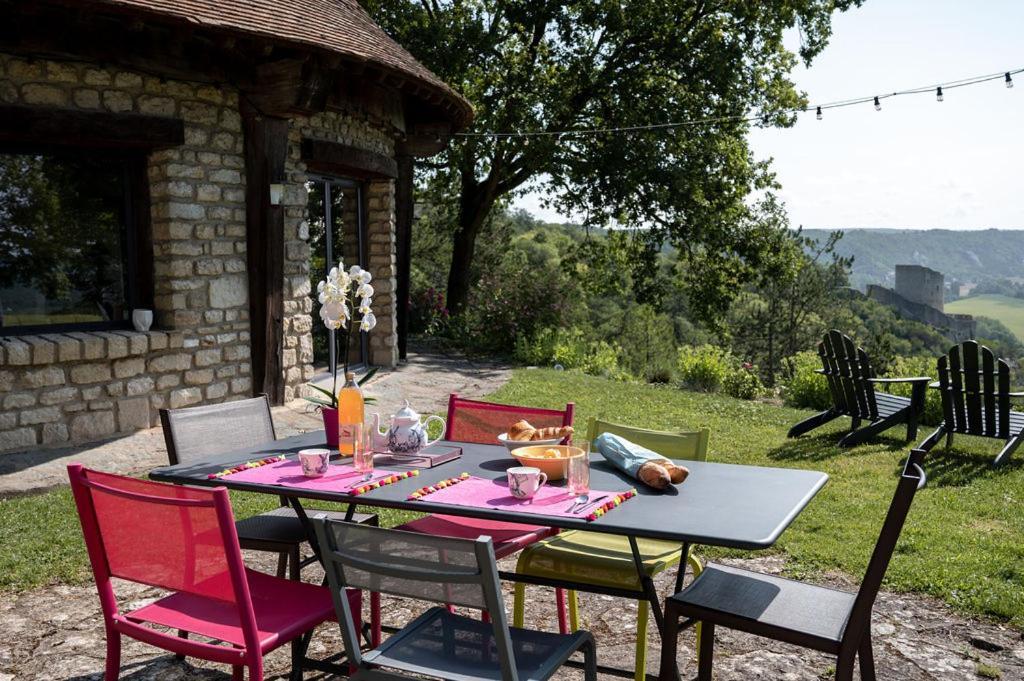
(726, 505)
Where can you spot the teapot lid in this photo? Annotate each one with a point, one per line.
(407, 412)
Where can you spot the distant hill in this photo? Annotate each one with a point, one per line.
(967, 256)
(1009, 311)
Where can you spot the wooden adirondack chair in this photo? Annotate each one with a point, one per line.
(852, 381)
(976, 399)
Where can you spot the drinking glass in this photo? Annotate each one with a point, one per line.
(362, 459)
(578, 473)
(351, 438)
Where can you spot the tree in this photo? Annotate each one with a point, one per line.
(790, 304)
(546, 66)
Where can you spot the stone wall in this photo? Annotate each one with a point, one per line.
(921, 285)
(74, 387)
(957, 328)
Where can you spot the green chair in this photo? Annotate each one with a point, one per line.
(604, 560)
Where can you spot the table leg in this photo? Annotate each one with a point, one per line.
(681, 572)
(647, 584)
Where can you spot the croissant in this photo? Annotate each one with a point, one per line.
(551, 433)
(521, 431)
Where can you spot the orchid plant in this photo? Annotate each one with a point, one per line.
(341, 295)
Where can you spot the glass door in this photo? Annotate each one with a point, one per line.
(337, 231)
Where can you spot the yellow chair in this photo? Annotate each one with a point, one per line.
(605, 560)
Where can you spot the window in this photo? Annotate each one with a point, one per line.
(67, 241)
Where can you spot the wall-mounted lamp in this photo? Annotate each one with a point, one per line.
(276, 193)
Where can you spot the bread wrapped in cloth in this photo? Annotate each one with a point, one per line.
(638, 462)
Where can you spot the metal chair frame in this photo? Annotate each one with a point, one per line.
(485, 576)
(854, 643)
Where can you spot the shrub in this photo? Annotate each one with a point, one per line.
(907, 367)
(704, 367)
(804, 387)
(570, 349)
(743, 383)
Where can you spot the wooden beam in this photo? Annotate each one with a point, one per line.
(331, 157)
(404, 201)
(65, 127)
(266, 148)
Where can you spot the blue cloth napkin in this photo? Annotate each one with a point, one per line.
(625, 455)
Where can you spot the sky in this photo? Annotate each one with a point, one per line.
(917, 163)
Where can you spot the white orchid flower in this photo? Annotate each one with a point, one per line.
(365, 277)
(333, 309)
(364, 291)
(355, 271)
(369, 321)
(364, 305)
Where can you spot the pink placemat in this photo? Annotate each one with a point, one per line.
(339, 478)
(467, 490)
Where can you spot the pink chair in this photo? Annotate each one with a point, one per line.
(481, 422)
(183, 539)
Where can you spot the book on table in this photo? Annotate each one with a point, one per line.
(428, 457)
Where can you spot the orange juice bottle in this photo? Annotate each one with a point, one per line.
(350, 409)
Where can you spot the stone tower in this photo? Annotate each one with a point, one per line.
(920, 285)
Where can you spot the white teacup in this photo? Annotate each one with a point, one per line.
(314, 462)
(524, 481)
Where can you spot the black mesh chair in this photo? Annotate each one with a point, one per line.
(438, 643)
(193, 433)
(829, 620)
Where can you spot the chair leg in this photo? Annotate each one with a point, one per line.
(113, 666)
(574, 610)
(949, 439)
(180, 657)
(518, 605)
(812, 423)
(563, 625)
(706, 652)
(238, 673)
(669, 645)
(375, 625)
(1008, 450)
(299, 647)
(282, 564)
(697, 567)
(295, 564)
(640, 653)
(932, 439)
(590, 662)
(866, 658)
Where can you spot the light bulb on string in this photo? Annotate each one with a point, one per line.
(938, 94)
(878, 105)
(818, 114)
(1009, 80)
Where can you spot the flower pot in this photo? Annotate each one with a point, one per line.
(142, 319)
(330, 425)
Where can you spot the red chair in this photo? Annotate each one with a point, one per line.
(481, 422)
(183, 539)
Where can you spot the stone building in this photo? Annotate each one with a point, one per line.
(919, 295)
(204, 159)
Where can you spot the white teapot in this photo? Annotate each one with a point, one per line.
(406, 434)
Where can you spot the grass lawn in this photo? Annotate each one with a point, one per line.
(1009, 311)
(962, 540)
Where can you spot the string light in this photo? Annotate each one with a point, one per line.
(762, 117)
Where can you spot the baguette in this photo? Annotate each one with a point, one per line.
(552, 433)
(654, 475)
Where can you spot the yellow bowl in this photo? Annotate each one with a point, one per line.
(554, 467)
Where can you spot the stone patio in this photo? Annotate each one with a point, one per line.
(57, 633)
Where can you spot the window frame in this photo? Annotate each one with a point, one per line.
(136, 233)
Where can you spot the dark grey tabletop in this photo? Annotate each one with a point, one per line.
(744, 507)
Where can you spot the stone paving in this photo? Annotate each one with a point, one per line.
(57, 633)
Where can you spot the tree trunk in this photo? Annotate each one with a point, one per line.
(475, 205)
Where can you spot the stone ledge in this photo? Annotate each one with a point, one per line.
(73, 346)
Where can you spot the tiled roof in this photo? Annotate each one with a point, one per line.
(341, 26)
